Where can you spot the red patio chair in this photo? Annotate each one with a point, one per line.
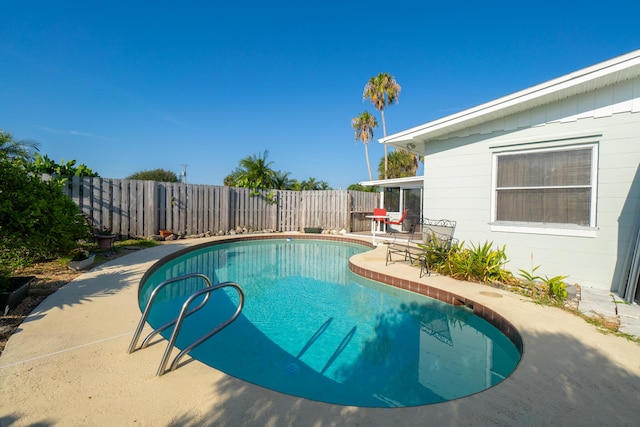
(398, 222)
(379, 212)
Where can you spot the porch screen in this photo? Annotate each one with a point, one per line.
(412, 200)
(553, 186)
(392, 199)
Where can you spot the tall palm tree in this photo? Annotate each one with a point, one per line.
(363, 126)
(16, 149)
(401, 164)
(382, 90)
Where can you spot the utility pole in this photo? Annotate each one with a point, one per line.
(184, 173)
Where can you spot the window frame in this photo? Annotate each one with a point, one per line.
(563, 229)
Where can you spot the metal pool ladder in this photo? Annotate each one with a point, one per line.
(184, 312)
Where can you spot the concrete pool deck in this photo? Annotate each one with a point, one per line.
(68, 365)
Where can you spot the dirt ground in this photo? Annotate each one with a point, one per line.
(50, 276)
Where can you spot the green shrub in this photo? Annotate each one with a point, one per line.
(78, 254)
(545, 288)
(479, 263)
(483, 263)
(436, 250)
(556, 287)
(44, 165)
(530, 280)
(458, 263)
(160, 175)
(37, 221)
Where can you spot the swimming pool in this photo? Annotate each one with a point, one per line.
(312, 328)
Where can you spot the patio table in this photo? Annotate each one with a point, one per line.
(378, 225)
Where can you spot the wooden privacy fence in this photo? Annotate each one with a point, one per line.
(141, 208)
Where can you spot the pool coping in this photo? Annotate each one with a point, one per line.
(68, 365)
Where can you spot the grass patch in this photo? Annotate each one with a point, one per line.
(139, 243)
(120, 247)
(608, 326)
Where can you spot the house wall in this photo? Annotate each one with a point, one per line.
(458, 183)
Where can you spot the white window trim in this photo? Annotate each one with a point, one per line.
(550, 229)
(542, 228)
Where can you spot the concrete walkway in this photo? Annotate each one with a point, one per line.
(610, 305)
(68, 366)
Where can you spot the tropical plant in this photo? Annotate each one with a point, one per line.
(490, 263)
(231, 179)
(78, 254)
(295, 185)
(43, 164)
(531, 279)
(554, 287)
(16, 149)
(313, 184)
(478, 263)
(159, 175)
(253, 172)
(436, 251)
(282, 181)
(102, 231)
(360, 187)
(400, 164)
(382, 90)
(457, 264)
(363, 126)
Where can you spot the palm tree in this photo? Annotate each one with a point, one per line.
(282, 181)
(295, 185)
(363, 126)
(233, 178)
(16, 149)
(382, 90)
(400, 164)
(253, 172)
(313, 184)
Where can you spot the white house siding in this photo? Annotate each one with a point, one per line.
(458, 182)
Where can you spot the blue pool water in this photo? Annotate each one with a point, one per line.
(311, 328)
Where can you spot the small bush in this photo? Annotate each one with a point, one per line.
(483, 263)
(548, 289)
(556, 287)
(436, 251)
(479, 263)
(78, 254)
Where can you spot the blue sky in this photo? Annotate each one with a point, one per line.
(130, 86)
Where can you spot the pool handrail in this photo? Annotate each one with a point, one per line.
(147, 310)
(185, 312)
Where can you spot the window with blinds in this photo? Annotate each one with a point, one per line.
(551, 186)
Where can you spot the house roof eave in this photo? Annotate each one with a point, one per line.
(603, 74)
(417, 181)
